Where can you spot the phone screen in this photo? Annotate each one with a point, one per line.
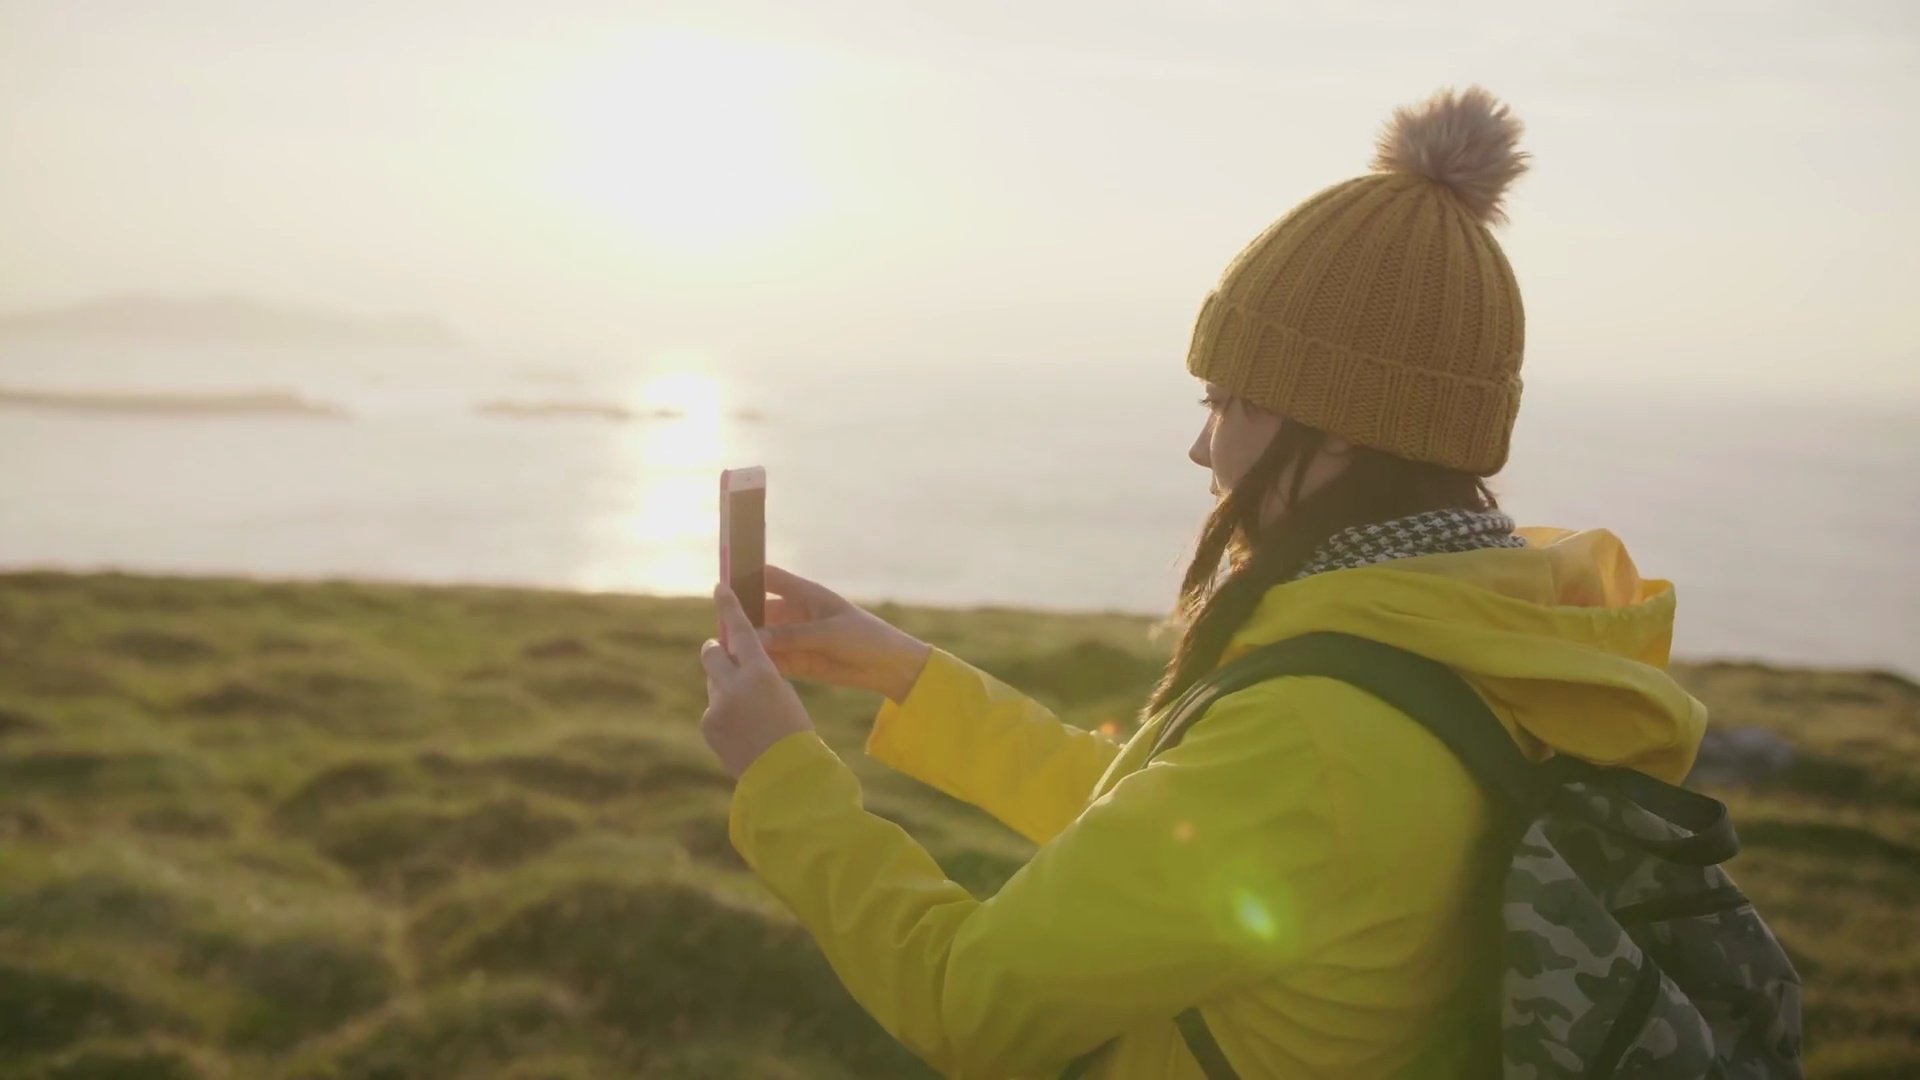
(747, 558)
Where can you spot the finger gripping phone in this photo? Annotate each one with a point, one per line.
(743, 540)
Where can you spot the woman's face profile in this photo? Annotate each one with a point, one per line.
(1232, 439)
(1234, 436)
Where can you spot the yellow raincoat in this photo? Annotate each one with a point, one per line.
(1306, 866)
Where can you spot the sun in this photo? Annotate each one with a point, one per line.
(687, 139)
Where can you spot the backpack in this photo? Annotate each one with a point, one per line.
(1629, 952)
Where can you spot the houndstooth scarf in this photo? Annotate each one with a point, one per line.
(1435, 532)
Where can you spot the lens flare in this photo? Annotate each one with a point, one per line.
(1255, 917)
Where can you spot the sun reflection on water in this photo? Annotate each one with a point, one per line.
(660, 533)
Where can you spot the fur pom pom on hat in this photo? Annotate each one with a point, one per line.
(1464, 142)
(1382, 309)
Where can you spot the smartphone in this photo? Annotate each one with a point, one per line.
(743, 540)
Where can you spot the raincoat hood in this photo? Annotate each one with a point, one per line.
(1563, 638)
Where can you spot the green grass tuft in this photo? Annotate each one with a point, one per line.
(406, 848)
(143, 1059)
(43, 1009)
(290, 988)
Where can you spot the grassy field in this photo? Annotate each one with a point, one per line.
(353, 831)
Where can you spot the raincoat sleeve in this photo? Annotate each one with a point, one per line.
(1203, 871)
(982, 742)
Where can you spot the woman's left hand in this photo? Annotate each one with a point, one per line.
(749, 705)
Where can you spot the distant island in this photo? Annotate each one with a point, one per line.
(222, 319)
(592, 410)
(238, 403)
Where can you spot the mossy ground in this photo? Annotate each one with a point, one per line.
(313, 831)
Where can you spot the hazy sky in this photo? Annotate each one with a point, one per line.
(1723, 193)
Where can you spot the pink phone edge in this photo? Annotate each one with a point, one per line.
(726, 547)
(726, 475)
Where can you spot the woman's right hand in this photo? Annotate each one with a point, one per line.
(814, 633)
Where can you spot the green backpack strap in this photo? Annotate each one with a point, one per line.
(1429, 692)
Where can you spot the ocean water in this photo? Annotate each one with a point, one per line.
(1789, 526)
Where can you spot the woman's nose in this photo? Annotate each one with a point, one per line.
(1197, 453)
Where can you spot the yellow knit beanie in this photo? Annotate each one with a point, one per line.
(1382, 309)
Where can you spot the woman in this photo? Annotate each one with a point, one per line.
(1308, 865)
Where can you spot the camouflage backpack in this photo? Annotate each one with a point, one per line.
(1629, 952)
